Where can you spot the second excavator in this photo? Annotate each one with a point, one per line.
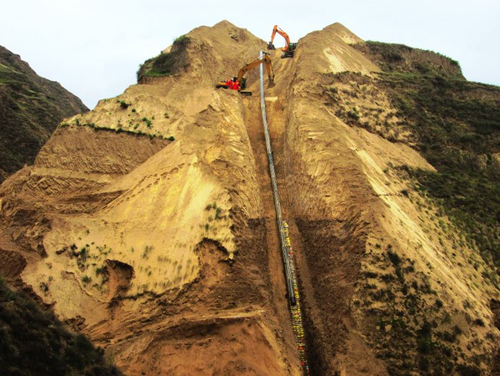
(289, 49)
(239, 82)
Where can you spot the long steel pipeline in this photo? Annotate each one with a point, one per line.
(279, 219)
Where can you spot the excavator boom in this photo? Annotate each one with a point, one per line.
(281, 32)
(239, 83)
(264, 60)
(289, 49)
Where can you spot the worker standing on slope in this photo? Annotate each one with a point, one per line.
(235, 84)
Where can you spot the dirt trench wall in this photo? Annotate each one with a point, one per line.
(386, 293)
(330, 198)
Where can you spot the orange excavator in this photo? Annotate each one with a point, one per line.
(289, 49)
(239, 82)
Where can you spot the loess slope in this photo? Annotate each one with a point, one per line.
(387, 276)
(148, 222)
(145, 213)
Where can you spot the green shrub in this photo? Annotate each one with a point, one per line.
(394, 258)
(181, 39)
(353, 114)
(124, 105)
(166, 64)
(218, 212)
(424, 339)
(34, 342)
(86, 279)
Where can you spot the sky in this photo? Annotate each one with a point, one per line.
(94, 47)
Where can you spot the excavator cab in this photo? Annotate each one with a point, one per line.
(243, 83)
(289, 49)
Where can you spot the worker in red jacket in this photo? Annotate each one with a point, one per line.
(235, 85)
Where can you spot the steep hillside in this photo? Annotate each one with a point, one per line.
(31, 107)
(34, 342)
(456, 127)
(141, 223)
(149, 223)
(401, 272)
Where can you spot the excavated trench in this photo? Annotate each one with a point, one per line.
(285, 285)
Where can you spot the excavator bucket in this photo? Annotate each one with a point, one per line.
(270, 46)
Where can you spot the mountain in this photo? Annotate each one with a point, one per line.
(150, 226)
(34, 342)
(31, 107)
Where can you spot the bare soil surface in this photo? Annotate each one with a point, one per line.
(149, 225)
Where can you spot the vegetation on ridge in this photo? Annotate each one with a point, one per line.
(398, 58)
(30, 109)
(128, 128)
(422, 99)
(456, 126)
(34, 342)
(166, 64)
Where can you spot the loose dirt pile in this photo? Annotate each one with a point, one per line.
(148, 223)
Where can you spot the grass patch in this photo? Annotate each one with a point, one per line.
(456, 125)
(133, 132)
(403, 59)
(124, 105)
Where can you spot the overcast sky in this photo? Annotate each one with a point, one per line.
(93, 47)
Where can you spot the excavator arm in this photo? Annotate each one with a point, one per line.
(280, 31)
(240, 82)
(289, 49)
(266, 60)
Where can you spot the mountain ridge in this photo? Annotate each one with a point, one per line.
(153, 216)
(31, 107)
